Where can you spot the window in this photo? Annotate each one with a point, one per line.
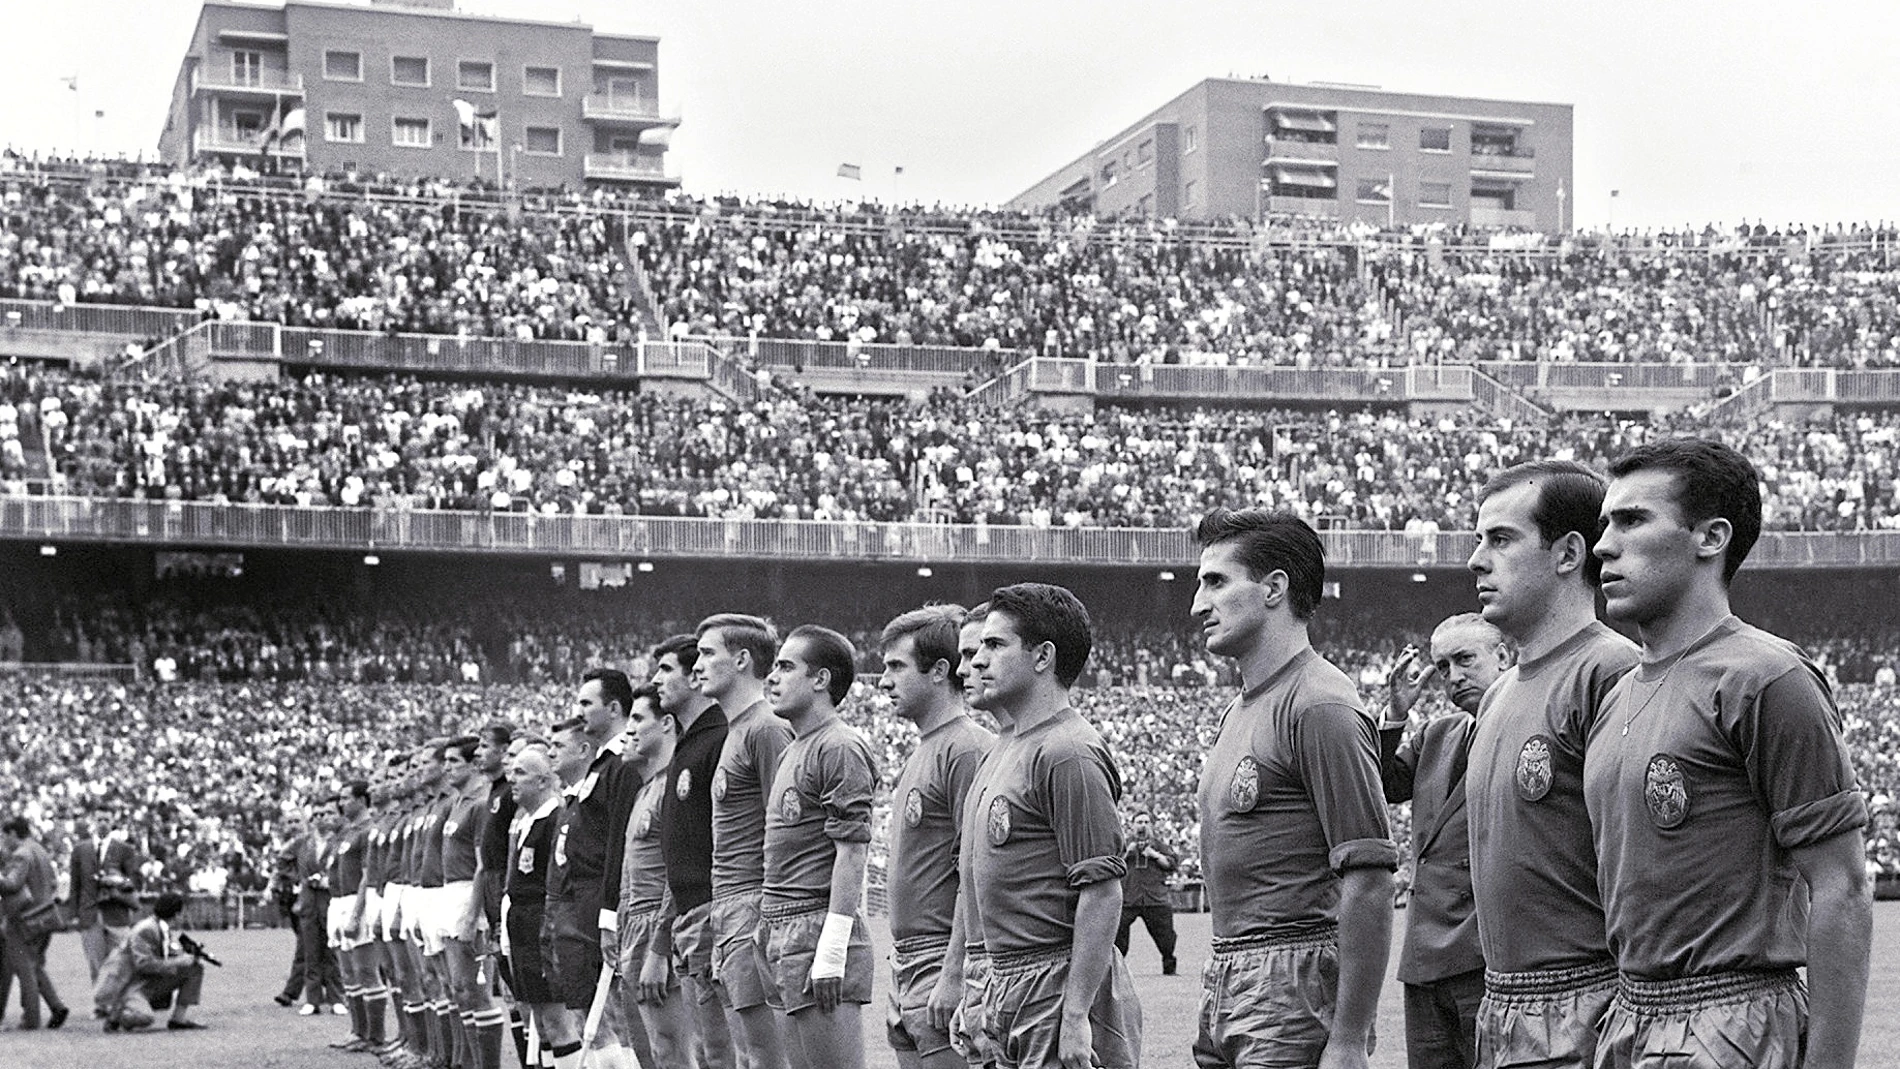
(541, 81)
(1190, 139)
(1145, 153)
(475, 74)
(1303, 181)
(1435, 139)
(1373, 135)
(246, 68)
(343, 66)
(413, 133)
(249, 125)
(1375, 190)
(542, 141)
(1109, 171)
(1189, 193)
(1434, 194)
(1146, 205)
(338, 126)
(409, 70)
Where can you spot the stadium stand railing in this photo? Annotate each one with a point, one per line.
(290, 526)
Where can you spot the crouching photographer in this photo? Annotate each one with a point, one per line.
(164, 966)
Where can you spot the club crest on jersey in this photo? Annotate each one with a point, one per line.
(644, 828)
(788, 807)
(494, 804)
(525, 862)
(998, 821)
(719, 785)
(449, 828)
(685, 786)
(1244, 791)
(1533, 769)
(913, 808)
(345, 848)
(1665, 792)
(560, 848)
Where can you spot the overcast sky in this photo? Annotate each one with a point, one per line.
(1697, 110)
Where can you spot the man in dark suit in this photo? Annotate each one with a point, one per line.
(27, 882)
(104, 871)
(1440, 963)
(1145, 889)
(151, 962)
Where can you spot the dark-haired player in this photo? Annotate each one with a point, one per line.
(735, 653)
(1294, 842)
(1727, 818)
(1549, 976)
(814, 953)
(683, 933)
(1047, 863)
(656, 1001)
(920, 676)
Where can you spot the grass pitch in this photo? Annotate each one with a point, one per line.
(248, 1030)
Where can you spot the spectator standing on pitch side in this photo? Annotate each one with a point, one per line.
(1440, 962)
(1145, 897)
(27, 890)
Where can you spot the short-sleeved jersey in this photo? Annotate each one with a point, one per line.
(531, 853)
(407, 843)
(1046, 826)
(754, 740)
(686, 810)
(461, 834)
(347, 857)
(1533, 862)
(969, 830)
(429, 840)
(821, 796)
(1733, 758)
(1290, 798)
(927, 810)
(642, 866)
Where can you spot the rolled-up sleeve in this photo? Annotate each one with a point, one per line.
(1800, 764)
(848, 779)
(1082, 791)
(1339, 761)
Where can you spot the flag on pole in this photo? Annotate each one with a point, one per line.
(1615, 192)
(851, 171)
(478, 125)
(900, 170)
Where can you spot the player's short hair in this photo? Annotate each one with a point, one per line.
(462, 744)
(1569, 498)
(1470, 619)
(614, 686)
(1139, 812)
(499, 732)
(684, 648)
(534, 742)
(975, 614)
(754, 634)
(645, 692)
(572, 723)
(831, 652)
(1272, 542)
(18, 827)
(1711, 480)
(1044, 612)
(356, 788)
(932, 631)
(435, 746)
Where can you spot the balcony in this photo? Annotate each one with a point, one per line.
(634, 111)
(1302, 206)
(228, 140)
(1521, 163)
(271, 84)
(613, 167)
(1280, 150)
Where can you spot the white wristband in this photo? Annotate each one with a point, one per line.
(833, 941)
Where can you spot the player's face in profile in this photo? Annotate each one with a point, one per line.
(1229, 603)
(1468, 663)
(455, 768)
(1004, 663)
(1515, 571)
(791, 685)
(648, 728)
(969, 640)
(717, 667)
(907, 685)
(676, 690)
(429, 770)
(592, 705)
(570, 754)
(489, 755)
(1648, 553)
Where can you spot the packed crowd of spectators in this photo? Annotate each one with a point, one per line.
(428, 256)
(397, 442)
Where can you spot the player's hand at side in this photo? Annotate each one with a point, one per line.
(1075, 1044)
(827, 992)
(655, 971)
(1406, 683)
(1340, 1054)
(942, 1007)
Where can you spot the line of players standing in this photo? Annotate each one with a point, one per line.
(1660, 837)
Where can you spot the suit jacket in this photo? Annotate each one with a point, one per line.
(1441, 927)
(84, 867)
(118, 877)
(138, 957)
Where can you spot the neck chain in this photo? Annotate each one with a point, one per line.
(1667, 672)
